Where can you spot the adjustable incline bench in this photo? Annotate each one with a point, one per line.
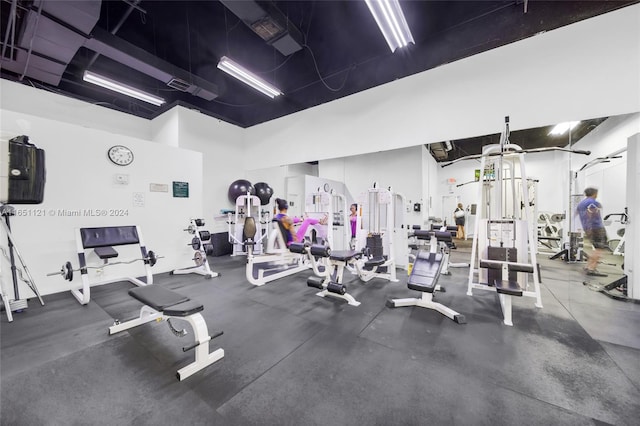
(163, 304)
(424, 278)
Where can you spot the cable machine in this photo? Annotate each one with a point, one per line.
(503, 253)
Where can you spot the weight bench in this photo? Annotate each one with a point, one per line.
(444, 240)
(331, 281)
(505, 287)
(163, 304)
(424, 278)
(102, 240)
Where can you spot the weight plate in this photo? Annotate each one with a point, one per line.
(195, 243)
(198, 258)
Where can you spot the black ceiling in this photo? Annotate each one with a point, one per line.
(342, 53)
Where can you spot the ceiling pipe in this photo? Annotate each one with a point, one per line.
(26, 63)
(125, 53)
(132, 5)
(10, 26)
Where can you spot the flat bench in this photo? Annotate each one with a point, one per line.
(163, 304)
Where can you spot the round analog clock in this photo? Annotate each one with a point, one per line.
(120, 155)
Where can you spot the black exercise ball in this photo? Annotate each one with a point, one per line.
(264, 192)
(238, 188)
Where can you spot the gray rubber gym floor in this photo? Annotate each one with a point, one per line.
(292, 358)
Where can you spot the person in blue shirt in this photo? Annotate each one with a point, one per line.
(590, 212)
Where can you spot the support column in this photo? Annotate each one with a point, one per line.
(632, 232)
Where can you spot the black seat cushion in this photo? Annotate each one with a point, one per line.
(159, 298)
(344, 255)
(184, 309)
(376, 261)
(512, 288)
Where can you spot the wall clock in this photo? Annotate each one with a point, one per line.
(120, 155)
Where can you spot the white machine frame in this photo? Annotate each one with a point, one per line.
(15, 304)
(502, 159)
(379, 206)
(278, 257)
(247, 206)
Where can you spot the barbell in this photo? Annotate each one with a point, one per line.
(67, 268)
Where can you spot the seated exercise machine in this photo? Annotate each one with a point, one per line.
(378, 255)
(102, 240)
(502, 236)
(201, 243)
(329, 279)
(278, 262)
(162, 304)
(424, 276)
(247, 206)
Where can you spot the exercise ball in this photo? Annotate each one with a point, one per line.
(238, 188)
(264, 192)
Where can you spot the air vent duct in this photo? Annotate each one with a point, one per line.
(178, 84)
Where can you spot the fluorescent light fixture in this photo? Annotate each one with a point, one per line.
(110, 84)
(390, 19)
(561, 128)
(247, 77)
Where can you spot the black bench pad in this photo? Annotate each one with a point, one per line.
(183, 309)
(511, 288)
(425, 272)
(374, 262)
(105, 252)
(159, 298)
(344, 255)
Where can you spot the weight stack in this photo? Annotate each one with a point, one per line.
(374, 244)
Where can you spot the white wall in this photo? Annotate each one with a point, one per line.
(222, 150)
(400, 169)
(81, 191)
(537, 81)
(42, 103)
(609, 178)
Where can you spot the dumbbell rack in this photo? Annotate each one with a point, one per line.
(202, 246)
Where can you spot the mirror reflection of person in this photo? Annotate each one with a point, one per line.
(590, 212)
(460, 219)
(353, 221)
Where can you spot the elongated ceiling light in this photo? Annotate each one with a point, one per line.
(561, 128)
(110, 84)
(247, 77)
(390, 19)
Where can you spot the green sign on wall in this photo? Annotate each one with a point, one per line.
(181, 189)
